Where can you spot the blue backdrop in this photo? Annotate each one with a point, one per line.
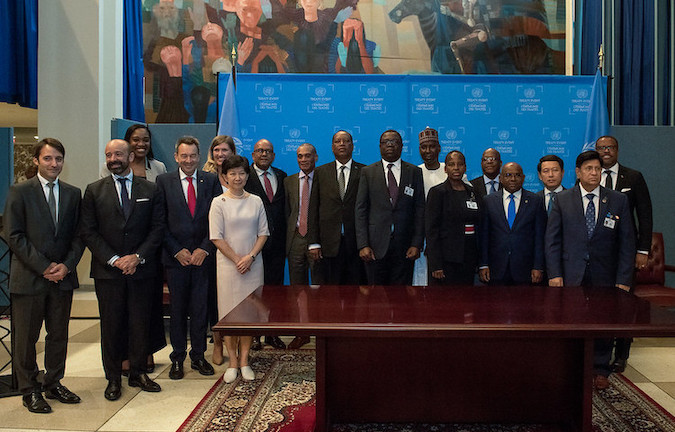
(524, 117)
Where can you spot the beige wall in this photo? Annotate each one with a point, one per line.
(80, 83)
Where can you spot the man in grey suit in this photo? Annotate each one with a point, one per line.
(590, 242)
(332, 230)
(122, 225)
(390, 215)
(41, 220)
(298, 189)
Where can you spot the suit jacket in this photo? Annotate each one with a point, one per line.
(377, 221)
(610, 251)
(184, 231)
(330, 216)
(30, 233)
(631, 183)
(479, 186)
(445, 225)
(107, 233)
(276, 217)
(292, 208)
(516, 250)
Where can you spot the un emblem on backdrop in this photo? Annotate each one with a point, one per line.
(294, 133)
(425, 92)
(530, 93)
(504, 135)
(451, 134)
(268, 91)
(477, 92)
(320, 91)
(373, 91)
(556, 135)
(582, 93)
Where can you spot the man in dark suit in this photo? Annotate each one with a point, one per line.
(122, 225)
(551, 170)
(332, 229)
(390, 215)
(631, 183)
(187, 253)
(267, 182)
(590, 242)
(298, 189)
(41, 220)
(490, 163)
(512, 233)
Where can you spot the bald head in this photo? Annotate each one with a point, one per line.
(118, 156)
(491, 163)
(263, 154)
(512, 177)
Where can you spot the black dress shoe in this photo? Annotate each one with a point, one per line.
(202, 366)
(256, 345)
(298, 342)
(145, 383)
(36, 403)
(62, 394)
(113, 391)
(619, 365)
(176, 371)
(275, 342)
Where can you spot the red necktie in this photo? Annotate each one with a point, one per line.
(304, 207)
(268, 187)
(191, 196)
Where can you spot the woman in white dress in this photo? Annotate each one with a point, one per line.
(238, 228)
(222, 147)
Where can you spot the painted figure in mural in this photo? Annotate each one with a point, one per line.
(311, 8)
(355, 53)
(166, 14)
(249, 13)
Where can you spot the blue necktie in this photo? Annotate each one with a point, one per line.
(551, 198)
(590, 215)
(511, 216)
(124, 196)
(492, 186)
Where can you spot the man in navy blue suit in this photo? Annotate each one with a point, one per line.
(590, 242)
(187, 253)
(551, 170)
(511, 234)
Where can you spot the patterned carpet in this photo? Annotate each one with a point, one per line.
(281, 399)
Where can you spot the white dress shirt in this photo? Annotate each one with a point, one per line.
(487, 181)
(506, 200)
(130, 180)
(45, 189)
(184, 182)
(396, 170)
(614, 169)
(596, 199)
(270, 175)
(348, 170)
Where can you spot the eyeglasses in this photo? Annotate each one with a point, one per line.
(605, 148)
(390, 142)
(489, 159)
(263, 151)
(513, 175)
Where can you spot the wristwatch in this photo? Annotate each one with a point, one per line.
(141, 260)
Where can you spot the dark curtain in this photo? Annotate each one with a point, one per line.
(591, 24)
(635, 43)
(133, 61)
(18, 52)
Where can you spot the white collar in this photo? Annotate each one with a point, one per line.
(44, 181)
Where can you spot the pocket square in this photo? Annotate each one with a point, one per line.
(142, 199)
(625, 189)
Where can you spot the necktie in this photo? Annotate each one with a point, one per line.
(492, 186)
(191, 196)
(590, 216)
(511, 216)
(551, 198)
(392, 185)
(52, 203)
(268, 187)
(609, 184)
(304, 207)
(124, 196)
(341, 182)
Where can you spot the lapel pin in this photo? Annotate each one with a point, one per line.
(604, 200)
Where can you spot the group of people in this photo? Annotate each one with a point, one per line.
(222, 231)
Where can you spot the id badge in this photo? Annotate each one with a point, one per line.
(610, 223)
(473, 205)
(409, 191)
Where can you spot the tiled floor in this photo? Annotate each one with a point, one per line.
(652, 368)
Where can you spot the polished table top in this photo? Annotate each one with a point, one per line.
(383, 311)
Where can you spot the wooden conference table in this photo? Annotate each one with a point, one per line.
(451, 355)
